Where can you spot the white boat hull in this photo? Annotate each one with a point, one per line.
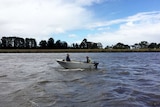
(77, 64)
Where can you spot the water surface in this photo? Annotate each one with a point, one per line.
(122, 80)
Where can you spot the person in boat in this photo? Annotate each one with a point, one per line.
(88, 59)
(68, 58)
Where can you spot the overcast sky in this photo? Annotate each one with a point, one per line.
(105, 21)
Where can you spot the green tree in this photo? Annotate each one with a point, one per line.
(94, 46)
(4, 42)
(43, 44)
(121, 46)
(19, 42)
(143, 44)
(50, 43)
(158, 45)
(64, 45)
(58, 44)
(30, 43)
(153, 46)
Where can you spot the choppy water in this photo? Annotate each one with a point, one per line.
(122, 80)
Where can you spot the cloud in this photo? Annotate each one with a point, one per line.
(41, 18)
(132, 29)
(87, 2)
(72, 35)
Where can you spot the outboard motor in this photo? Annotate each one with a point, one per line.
(96, 65)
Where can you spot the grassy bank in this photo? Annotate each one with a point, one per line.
(73, 50)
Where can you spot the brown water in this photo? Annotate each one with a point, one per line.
(122, 80)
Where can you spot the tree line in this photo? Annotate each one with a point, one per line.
(30, 43)
(141, 45)
(17, 42)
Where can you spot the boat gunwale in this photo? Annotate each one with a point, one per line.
(72, 61)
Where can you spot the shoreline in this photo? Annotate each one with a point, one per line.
(74, 50)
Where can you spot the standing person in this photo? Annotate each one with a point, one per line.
(68, 58)
(88, 59)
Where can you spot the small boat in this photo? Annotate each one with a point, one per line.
(77, 64)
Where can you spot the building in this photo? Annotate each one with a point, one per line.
(90, 45)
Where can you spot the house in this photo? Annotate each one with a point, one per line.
(90, 45)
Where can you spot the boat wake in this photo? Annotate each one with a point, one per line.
(77, 69)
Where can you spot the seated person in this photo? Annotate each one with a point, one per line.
(68, 58)
(88, 59)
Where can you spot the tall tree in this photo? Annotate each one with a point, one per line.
(84, 44)
(4, 41)
(50, 43)
(158, 45)
(30, 43)
(43, 44)
(19, 42)
(58, 44)
(64, 45)
(121, 46)
(153, 46)
(0, 44)
(143, 44)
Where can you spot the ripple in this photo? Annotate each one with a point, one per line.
(122, 80)
(1, 76)
(124, 73)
